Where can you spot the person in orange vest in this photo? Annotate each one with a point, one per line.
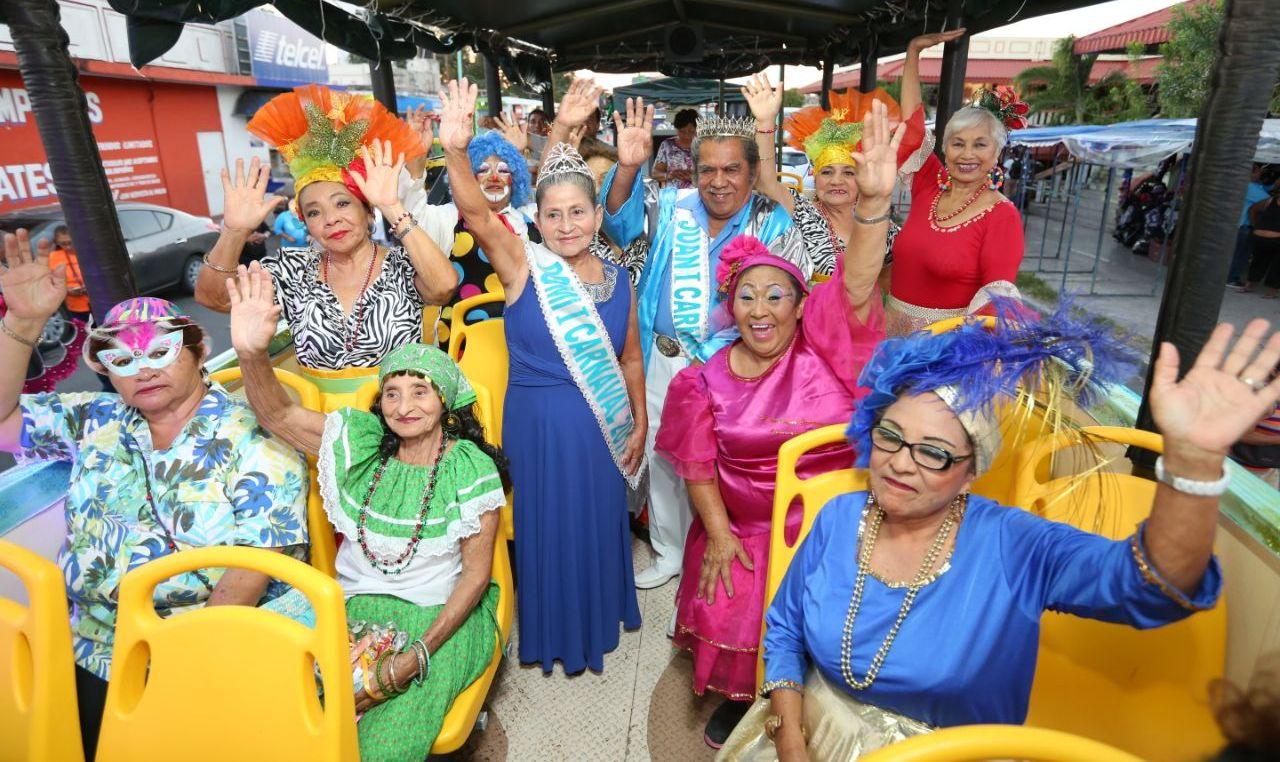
(64, 253)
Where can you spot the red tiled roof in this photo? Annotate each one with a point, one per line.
(1151, 29)
(989, 71)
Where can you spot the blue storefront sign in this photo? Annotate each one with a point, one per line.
(283, 54)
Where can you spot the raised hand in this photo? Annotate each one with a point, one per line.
(579, 102)
(381, 175)
(31, 290)
(575, 136)
(1222, 396)
(764, 99)
(635, 134)
(516, 134)
(245, 201)
(420, 120)
(926, 41)
(254, 312)
(876, 165)
(456, 128)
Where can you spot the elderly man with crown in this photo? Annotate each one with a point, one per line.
(687, 230)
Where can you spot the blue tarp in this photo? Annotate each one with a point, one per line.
(1133, 145)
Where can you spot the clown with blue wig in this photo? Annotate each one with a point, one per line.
(505, 179)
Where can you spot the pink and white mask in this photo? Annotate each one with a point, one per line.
(141, 347)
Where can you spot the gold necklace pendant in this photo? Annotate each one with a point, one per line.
(954, 515)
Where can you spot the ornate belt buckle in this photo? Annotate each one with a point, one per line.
(668, 346)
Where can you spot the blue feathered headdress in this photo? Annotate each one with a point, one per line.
(1060, 357)
(493, 144)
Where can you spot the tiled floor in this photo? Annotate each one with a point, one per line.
(590, 716)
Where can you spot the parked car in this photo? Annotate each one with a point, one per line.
(165, 245)
(797, 163)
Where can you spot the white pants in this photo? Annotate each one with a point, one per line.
(669, 511)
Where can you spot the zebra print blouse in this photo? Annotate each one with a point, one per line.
(390, 318)
(816, 232)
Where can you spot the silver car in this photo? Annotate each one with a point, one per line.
(165, 245)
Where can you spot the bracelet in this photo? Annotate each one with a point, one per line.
(871, 220)
(769, 131)
(16, 337)
(219, 268)
(377, 676)
(1193, 486)
(396, 225)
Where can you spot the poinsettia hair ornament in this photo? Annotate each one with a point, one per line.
(1003, 101)
(745, 252)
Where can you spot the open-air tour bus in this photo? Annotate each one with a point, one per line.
(1103, 687)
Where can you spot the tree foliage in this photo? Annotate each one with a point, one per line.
(1061, 90)
(1189, 56)
(792, 98)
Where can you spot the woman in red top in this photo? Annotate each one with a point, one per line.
(962, 241)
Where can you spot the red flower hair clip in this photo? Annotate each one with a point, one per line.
(1004, 102)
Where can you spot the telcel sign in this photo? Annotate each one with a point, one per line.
(283, 54)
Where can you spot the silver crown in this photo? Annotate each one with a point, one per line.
(727, 127)
(563, 159)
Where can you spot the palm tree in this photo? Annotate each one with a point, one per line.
(1060, 88)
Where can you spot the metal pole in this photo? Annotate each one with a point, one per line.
(720, 99)
(777, 151)
(549, 94)
(1102, 230)
(493, 85)
(62, 116)
(870, 53)
(955, 60)
(828, 78)
(383, 78)
(1221, 157)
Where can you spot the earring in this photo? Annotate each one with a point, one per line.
(995, 178)
(452, 422)
(944, 180)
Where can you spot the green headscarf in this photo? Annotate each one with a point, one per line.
(437, 366)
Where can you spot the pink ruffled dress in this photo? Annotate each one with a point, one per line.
(716, 423)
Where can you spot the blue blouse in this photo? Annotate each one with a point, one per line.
(966, 652)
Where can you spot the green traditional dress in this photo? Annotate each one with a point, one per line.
(410, 596)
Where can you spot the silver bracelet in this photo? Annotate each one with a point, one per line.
(1193, 486)
(872, 220)
(219, 268)
(16, 337)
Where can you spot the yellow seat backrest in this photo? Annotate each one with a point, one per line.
(458, 315)
(246, 673)
(1145, 691)
(466, 707)
(791, 179)
(480, 350)
(978, 743)
(813, 493)
(38, 718)
(323, 548)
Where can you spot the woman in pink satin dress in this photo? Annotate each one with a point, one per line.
(795, 369)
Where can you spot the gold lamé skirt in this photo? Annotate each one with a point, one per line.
(838, 726)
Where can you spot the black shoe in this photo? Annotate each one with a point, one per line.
(723, 720)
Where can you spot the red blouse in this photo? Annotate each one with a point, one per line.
(943, 268)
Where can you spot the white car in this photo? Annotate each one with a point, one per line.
(797, 163)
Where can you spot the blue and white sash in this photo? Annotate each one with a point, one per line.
(585, 346)
(691, 297)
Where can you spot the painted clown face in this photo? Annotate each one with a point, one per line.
(495, 180)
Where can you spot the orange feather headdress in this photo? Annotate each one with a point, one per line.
(320, 131)
(828, 137)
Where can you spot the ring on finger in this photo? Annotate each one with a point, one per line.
(1255, 384)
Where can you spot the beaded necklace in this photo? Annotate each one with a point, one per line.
(169, 540)
(954, 515)
(933, 210)
(350, 341)
(402, 561)
(836, 243)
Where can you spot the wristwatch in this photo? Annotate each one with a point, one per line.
(1193, 486)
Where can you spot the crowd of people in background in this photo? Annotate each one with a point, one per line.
(670, 321)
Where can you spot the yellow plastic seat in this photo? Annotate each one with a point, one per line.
(480, 349)
(791, 180)
(38, 716)
(243, 674)
(323, 548)
(813, 493)
(1141, 690)
(466, 707)
(972, 743)
(458, 317)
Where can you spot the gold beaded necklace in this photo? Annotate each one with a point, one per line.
(954, 515)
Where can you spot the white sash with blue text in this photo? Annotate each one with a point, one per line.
(585, 346)
(690, 280)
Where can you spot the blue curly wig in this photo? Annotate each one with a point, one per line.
(493, 144)
(1067, 350)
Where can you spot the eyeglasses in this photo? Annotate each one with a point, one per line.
(925, 455)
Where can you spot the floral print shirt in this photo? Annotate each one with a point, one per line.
(223, 481)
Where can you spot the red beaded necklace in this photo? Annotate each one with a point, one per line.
(933, 210)
(350, 341)
(402, 561)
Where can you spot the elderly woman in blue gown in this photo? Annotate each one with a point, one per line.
(917, 605)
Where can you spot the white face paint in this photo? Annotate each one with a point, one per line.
(494, 198)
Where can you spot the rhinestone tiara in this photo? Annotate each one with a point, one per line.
(563, 159)
(727, 127)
